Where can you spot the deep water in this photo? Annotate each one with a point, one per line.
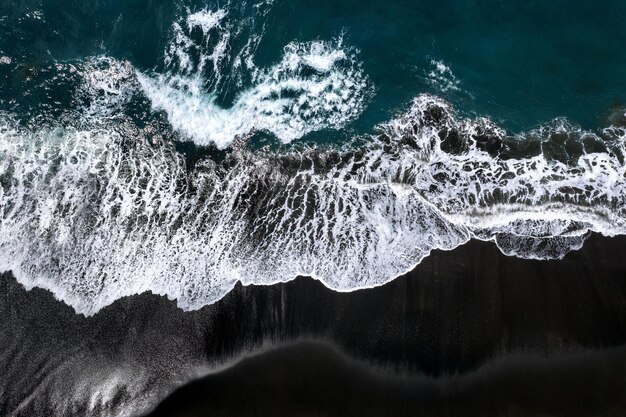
(446, 178)
(521, 63)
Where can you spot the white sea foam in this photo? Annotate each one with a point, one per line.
(283, 101)
(205, 19)
(95, 214)
(186, 54)
(441, 77)
(98, 208)
(107, 84)
(316, 85)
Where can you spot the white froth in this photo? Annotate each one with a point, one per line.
(316, 85)
(188, 55)
(316, 55)
(107, 84)
(441, 77)
(98, 214)
(284, 100)
(205, 19)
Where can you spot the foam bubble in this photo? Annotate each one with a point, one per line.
(285, 99)
(205, 19)
(107, 84)
(316, 85)
(187, 54)
(106, 210)
(441, 77)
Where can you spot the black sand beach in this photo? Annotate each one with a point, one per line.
(468, 332)
(309, 379)
(155, 155)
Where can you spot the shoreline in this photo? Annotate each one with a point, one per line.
(454, 313)
(313, 378)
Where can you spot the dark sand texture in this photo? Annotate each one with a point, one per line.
(309, 379)
(512, 331)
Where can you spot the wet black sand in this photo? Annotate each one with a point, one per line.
(477, 332)
(311, 379)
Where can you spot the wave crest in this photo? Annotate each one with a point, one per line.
(316, 85)
(100, 213)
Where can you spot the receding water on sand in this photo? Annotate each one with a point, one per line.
(433, 189)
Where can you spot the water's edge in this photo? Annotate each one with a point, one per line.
(457, 311)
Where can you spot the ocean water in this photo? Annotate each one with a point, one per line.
(182, 147)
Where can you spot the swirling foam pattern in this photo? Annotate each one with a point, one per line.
(316, 85)
(100, 205)
(107, 209)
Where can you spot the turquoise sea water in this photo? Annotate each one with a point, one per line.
(521, 63)
(183, 147)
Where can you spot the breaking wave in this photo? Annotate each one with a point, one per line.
(99, 204)
(107, 209)
(316, 85)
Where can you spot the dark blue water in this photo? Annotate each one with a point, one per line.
(521, 63)
(175, 148)
(92, 95)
